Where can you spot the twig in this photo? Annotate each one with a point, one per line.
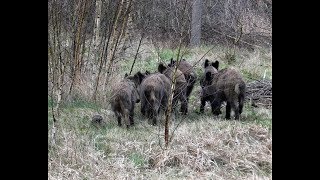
(135, 57)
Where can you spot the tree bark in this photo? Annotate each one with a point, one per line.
(96, 29)
(79, 27)
(196, 23)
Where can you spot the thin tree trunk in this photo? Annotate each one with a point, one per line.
(196, 23)
(96, 29)
(104, 53)
(169, 108)
(126, 11)
(135, 57)
(77, 45)
(56, 54)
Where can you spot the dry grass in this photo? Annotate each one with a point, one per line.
(203, 147)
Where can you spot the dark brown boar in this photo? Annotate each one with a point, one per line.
(188, 72)
(180, 91)
(123, 98)
(206, 93)
(224, 85)
(154, 92)
(211, 67)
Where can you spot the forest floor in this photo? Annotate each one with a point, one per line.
(203, 146)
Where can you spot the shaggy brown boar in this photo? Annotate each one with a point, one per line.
(124, 96)
(224, 85)
(188, 72)
(211, 67)
(206, 93)
(154, 92)
(180, 91)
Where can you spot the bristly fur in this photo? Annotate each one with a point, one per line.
(180, 91)
(223, 85)
(123, 98)
(154, 92)
(188, 72)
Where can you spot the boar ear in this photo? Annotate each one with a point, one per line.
(171, 62)
(126, 75)
(138, 73)
(139, 77)
(216, 64)
(208, 76)
(161, 68)
(206, 63)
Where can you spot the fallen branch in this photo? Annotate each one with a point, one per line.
(259, 92)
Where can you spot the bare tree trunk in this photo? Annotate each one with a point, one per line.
(77, 44)
(96, 29)
(196, 23)
(57, 62)
(135, 57)
(128, 35)
(126, 11)
(104, 53)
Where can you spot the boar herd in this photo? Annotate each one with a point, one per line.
(153, 90)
